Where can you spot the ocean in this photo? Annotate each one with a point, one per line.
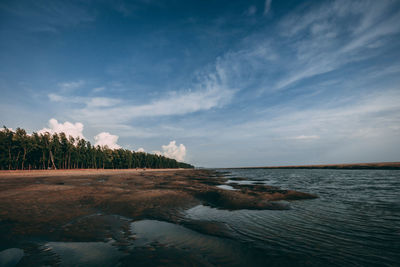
(355, 220)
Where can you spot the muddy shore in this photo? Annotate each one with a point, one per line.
(96, 205)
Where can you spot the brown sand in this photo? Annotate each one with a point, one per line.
(89, 205)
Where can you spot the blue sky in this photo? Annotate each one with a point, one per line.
(237, 83)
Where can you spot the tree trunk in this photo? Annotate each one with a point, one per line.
(9, 158)
(16, 160)
(23, 158)
(52, 160)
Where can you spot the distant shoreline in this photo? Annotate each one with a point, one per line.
(348, 166)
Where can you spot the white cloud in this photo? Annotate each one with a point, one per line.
(56, 98)
(188, 102)
(76, 130)
(70, 86)
(98, 89)
(267, 6)
(106, 139)
(173, 151)
(211, 94)
(70, 129)
(157, 152)
(87, 101)
(306, 137)
(140, 149)
(101, 102)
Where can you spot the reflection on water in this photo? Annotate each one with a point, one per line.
(10, 257)
(210, 249)
(355, 220)
(85, 253)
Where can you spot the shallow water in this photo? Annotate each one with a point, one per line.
(212, 250)
(10, 257)
(355, 220)
(84, 253)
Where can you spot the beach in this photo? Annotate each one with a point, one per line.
(51, 204)
(195, 217)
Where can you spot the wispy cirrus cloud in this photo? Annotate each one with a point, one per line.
(174, 104)
(311, 40)
(306, 137)
(212, 91)
(357, 117)
(333, 34)
(68, 87)
(90, 102)
(267, 6)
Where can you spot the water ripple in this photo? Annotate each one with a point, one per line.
(355, 220)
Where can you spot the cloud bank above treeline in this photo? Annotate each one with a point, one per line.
(106, 139)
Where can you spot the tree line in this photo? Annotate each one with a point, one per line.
(20, 151)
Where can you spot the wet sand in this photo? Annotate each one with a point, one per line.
(96, 205)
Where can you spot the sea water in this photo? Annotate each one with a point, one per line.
(354, 221)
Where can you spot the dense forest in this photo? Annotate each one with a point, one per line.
(20, 151)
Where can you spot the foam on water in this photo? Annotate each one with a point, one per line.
(226, 187)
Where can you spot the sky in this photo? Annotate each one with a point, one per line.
(212, 83)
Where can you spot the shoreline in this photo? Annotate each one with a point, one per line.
(82, 206)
